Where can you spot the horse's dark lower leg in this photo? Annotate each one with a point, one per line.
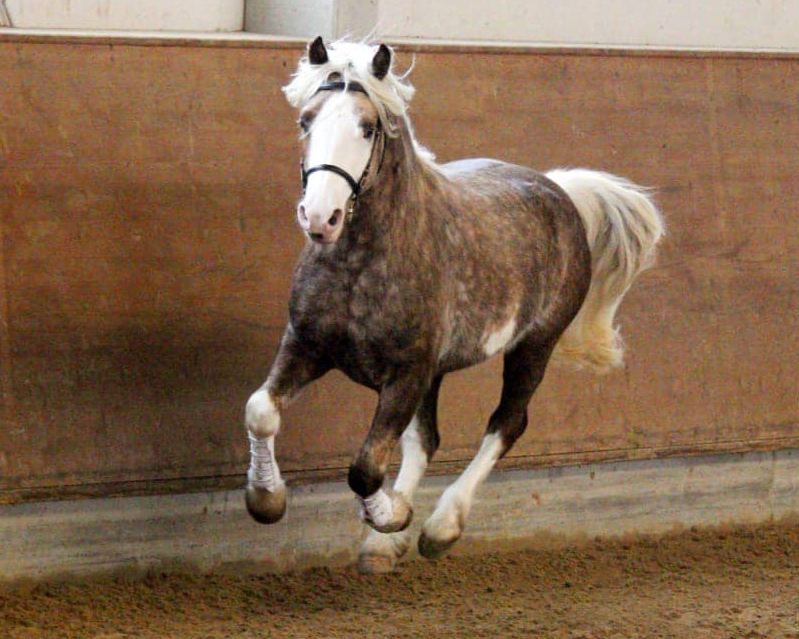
(524, 370)
(292, 369)
(380, 551)
(397, 404)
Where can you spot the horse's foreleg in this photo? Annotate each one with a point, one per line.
(419, 441)
(383, 509)
(524, 369)
(292, 369)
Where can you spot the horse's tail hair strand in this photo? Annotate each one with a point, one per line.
(623, 227)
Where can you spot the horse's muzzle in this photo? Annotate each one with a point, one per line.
(322, 228)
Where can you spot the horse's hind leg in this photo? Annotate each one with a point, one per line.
(523, 371)
(380, 551)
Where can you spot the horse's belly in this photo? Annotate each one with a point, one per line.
(461, 349)
(469, 343)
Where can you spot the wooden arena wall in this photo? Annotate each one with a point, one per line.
(147, 238)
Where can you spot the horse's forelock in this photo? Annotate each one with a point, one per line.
(352, 61)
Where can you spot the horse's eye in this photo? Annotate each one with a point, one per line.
(305, 122)
(368, 131)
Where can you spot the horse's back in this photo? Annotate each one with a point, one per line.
(467, 168)
(521, 243)
(516, 198)
(510, 186)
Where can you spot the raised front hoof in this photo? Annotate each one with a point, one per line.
(264, 506)
(399, 519)
(432, 548)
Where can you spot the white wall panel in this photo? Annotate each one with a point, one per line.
(748, 24)
(146, 15)
(710, 24)
(299, 18)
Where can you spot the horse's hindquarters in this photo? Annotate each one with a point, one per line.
(623, 226)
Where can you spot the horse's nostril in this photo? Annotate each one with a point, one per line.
(335, 218)
(301, 212)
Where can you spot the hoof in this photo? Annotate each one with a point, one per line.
(442, 530)
(265, 507)
(401, 515)
(369, 564)
(432, 548)
(380, 553)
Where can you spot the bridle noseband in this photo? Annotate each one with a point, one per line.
(355, 185)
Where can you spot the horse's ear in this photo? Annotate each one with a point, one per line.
(381, 63)
(317, 54)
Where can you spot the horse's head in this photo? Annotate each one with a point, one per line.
(343, 121)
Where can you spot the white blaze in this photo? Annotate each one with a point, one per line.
(335, 138)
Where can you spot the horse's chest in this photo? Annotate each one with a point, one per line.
(362, 321)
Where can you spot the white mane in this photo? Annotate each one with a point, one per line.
(352, 61)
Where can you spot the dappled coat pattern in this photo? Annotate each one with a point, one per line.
(415, 269)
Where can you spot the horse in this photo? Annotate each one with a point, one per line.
(414, 269)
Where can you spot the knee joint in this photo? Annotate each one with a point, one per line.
(261, 415)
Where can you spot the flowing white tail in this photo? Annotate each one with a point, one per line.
(623, 227)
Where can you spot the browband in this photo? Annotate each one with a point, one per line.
(342, 86)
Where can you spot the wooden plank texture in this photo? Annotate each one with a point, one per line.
(147, 238)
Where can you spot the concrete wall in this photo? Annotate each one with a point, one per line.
(546, 507)
(310, 18)
(147, 239)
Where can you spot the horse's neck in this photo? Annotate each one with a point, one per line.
(403, 189)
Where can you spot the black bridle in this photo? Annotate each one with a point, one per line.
(355, 185)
